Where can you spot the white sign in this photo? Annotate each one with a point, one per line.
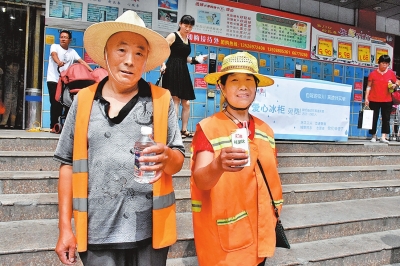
(305, 109)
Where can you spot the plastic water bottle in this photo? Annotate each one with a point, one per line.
(145, 141)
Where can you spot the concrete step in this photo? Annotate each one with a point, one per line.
(304, 223)
(28, 142)
(354, 173)
(27, 182)
(32, 242)
(28, 161)
(45, 205)
(18, 182)
(43, 160)
(336, 159)
(15, 207)
(351, 146)
(338, 191)
(376, 248)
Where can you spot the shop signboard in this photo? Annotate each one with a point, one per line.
(305, 109)
(250, 29)
(347, 44)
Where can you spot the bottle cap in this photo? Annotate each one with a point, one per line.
(146, 130)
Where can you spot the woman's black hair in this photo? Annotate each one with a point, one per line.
(384, 59)
(223, 79)
(186, 19)
(67, 32)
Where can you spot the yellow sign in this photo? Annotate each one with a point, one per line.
(379, 53)
(364, 53)
(345, 50)
(50, 39)
(325, 47)
(263, 62)
(221, 57)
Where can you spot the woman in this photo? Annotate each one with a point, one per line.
(176, 77)
(233, 219)
(378, 97)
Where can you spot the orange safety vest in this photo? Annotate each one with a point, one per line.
(164, 217)
(234, 222)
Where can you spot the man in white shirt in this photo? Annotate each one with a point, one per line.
(62, 57)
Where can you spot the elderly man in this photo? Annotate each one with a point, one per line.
(119, 221)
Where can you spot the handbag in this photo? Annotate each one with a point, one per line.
(396, 97)
(365, 118)
(281, 239)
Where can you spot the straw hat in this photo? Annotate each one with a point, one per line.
(241, 62)
(96, 37)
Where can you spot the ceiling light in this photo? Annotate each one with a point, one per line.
(377, 8)
(20, 29)
(12, 17)
(3, 8)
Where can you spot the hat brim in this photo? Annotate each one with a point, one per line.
(213, 78)
(97, 35)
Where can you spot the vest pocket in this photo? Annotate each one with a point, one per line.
(235, 232)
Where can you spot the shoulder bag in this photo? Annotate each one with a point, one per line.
(281, 239)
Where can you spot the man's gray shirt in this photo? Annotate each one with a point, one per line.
(119, 209)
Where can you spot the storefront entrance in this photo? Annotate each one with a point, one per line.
(20, 50)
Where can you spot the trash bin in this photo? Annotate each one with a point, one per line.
(33, 108)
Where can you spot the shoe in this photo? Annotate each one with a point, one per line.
(398, 138)
(373, 140)
(185, 133)
(384, 141)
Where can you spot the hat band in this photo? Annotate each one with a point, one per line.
(251, 69)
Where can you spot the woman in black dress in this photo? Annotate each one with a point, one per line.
(176, 77)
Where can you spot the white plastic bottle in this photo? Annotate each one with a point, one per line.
(145, 141)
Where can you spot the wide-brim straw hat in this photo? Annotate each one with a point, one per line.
(97, 35)
(241, 62)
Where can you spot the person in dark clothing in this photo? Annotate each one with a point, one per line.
(176, 77)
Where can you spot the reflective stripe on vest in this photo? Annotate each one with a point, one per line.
(258, 134)
(80, 166)
(232, 220)
(278, 202)
(161, 202)
(196, 206)
(80, 204)
(221, 142)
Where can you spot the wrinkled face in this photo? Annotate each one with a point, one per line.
(240, 89)
(126, 56)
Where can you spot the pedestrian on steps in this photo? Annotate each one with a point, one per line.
(379, 98)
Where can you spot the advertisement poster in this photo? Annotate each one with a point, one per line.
(346, 44)
(65, 9)
(249, 29)
(98, 13)
(314, 110)
(167, 15)
(147, 17)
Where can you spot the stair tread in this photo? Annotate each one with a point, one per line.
(28, 174)
(336, 154)
(42, 234)
(345, 168)
(338, 212)
(323, 250)
(340, 185)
